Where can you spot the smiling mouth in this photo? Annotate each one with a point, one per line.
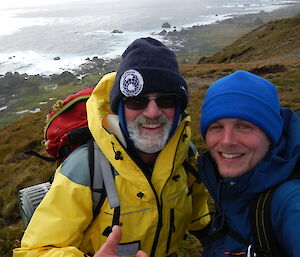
(231, 155)
(150, 125)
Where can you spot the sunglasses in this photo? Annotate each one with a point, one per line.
(141, 102)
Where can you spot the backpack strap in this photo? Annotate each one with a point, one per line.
(101, 163)
(260, 217)
(76, 136)
(102, 179)
(43, 157)
(102, 186)
(223, 229)
(267, 244)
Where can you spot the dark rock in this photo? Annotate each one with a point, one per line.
(166, 25)
(202, 59)
(269, 69)
(227, 70)
(56, 58)
(162, 33)
(8, 74)
(97, 60)
(95, 65)
(62, 78)
(117, 31)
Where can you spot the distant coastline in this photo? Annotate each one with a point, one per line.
(195, 40)
(183, 41)
(70, 47)
(189, 45)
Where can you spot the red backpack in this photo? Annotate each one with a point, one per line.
(66, 127)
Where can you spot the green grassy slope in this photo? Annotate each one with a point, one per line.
(273, 41)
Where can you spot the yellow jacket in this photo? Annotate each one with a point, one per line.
(154, 213)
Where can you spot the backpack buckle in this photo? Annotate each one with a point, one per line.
(250, 251)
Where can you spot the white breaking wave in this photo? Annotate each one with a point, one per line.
(71, 31)
(29, 111)
(2, 108)
(31, 62)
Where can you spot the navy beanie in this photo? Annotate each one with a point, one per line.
(244, 96)
(147, 66)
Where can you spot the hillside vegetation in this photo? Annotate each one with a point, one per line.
(206, 40)
(19, 170)
(23, 94)
(277, 40)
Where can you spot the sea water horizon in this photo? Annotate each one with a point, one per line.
(50, 39)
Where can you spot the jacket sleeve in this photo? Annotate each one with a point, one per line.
(58, 224)
(200, 218)
(285, 210)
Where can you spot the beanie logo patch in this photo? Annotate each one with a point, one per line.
(131, 83)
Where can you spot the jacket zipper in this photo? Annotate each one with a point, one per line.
(159, 205)
(171, 229)
(159, 226)
(159, 208)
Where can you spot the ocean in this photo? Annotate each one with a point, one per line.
(31, 38)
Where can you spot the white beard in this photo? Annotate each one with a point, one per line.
(149, 142)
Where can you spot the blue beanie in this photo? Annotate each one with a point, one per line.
(243, 95)
(148, 66)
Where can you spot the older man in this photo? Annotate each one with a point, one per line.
(137, 119)
(253, 145)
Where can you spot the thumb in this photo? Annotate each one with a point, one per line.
(140, 253)
(114, 238)
(111, 244)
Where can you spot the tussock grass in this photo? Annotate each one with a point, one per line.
(19, 170)
(269, 41)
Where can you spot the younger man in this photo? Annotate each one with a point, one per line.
(253, 145)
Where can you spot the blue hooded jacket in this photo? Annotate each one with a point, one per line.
(232, 196)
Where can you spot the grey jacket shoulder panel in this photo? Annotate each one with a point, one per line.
(76, 166)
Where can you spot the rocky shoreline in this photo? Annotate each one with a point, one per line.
(184, 41)
(188, 41)
(190, 45)
(206, 40)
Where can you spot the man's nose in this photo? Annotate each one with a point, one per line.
(229, 136)
(152, 111)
